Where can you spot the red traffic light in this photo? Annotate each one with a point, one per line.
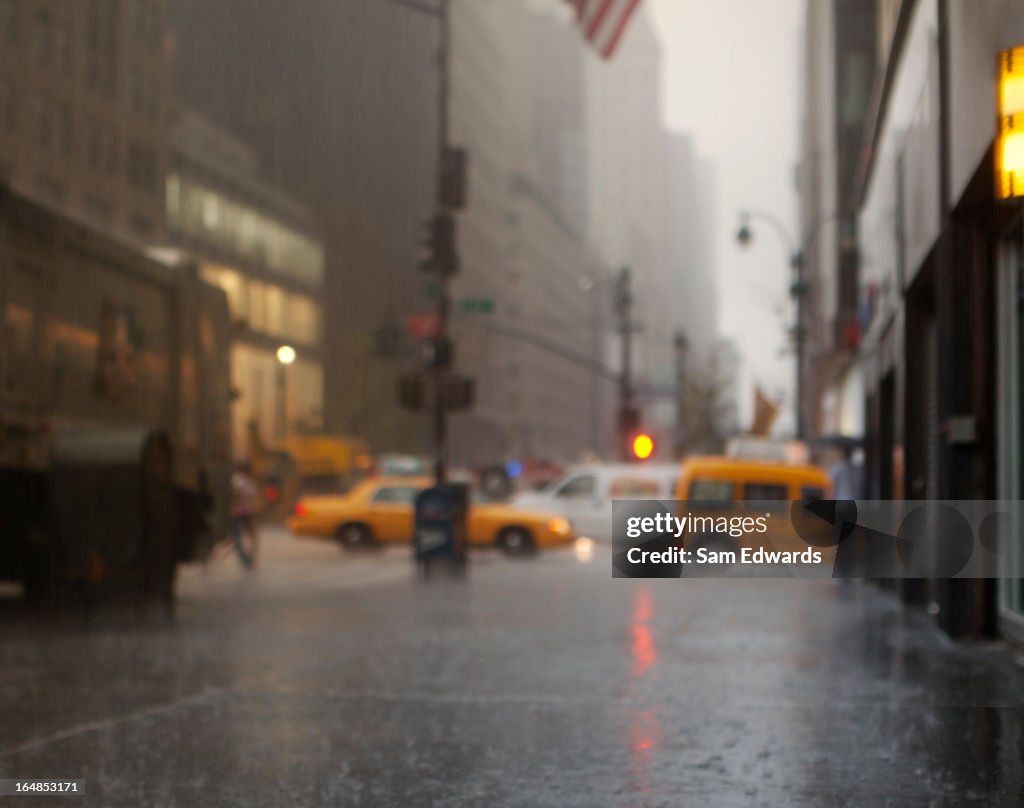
(643, 446)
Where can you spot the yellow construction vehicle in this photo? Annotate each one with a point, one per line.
(305, 464)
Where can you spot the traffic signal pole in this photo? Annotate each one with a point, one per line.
(628, 421)
(441, 340)
(437, 389)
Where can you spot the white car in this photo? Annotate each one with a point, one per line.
(584, 493)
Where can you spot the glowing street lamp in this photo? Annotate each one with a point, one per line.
(285, 357)
(286, 354)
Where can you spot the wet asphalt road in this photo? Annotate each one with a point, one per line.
(329, 680)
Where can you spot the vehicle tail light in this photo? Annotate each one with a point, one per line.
(301, 509)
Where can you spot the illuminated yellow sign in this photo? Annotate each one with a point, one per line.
(1010, 138)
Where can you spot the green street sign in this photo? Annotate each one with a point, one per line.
(476, 305)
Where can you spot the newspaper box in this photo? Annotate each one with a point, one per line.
(440, 531)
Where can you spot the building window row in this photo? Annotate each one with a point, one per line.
(101, 146)
(50, 39)
(255, 374)
(52, 42)
(267, 308)
(52, 129)
(141, 166)
(102, 47)
(196, 210)
(9, 21)
(51, 124)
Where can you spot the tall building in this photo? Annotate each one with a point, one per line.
(264, 249)
(840, 59)
(83, 90)
(522, 238)
(341, 107)
(338, 99)
(940, 263)
(647, 201)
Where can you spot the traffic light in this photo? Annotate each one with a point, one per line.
(437, 253)
(643, 446)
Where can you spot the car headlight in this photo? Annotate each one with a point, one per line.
(559, 526)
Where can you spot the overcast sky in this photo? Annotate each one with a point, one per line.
(731, 80)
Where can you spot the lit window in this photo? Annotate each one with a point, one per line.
(274, 310)
(172, 200)
(257, 306)
(303, 319)
(232, 284)
(211, 211)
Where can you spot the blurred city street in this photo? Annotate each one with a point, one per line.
(397, 282)
(325, 678)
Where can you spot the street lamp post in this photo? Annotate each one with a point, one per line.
(682, 346)
(797, 290)
(628, 417)
(444, 298)
(285, 357)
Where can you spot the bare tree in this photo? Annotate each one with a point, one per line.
(707, 413)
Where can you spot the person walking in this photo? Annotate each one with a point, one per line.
(846, 485)
(846, 476)
(244, 507)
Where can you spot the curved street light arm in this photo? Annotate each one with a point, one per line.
(788, 243)
(819, 223)
(796, 254)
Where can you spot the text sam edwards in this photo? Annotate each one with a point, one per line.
(702, 555)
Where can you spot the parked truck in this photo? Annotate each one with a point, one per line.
(114, 408)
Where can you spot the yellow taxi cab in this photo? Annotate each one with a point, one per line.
(716, 486)
(380, 510)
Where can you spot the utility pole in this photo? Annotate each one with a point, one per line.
(629, 419)
(442, 341)
(436, 389)
(799, 293)
(682, 347)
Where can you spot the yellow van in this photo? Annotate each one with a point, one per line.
(717, 486)
(715, 478)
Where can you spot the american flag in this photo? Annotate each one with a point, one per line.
(603, 22)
